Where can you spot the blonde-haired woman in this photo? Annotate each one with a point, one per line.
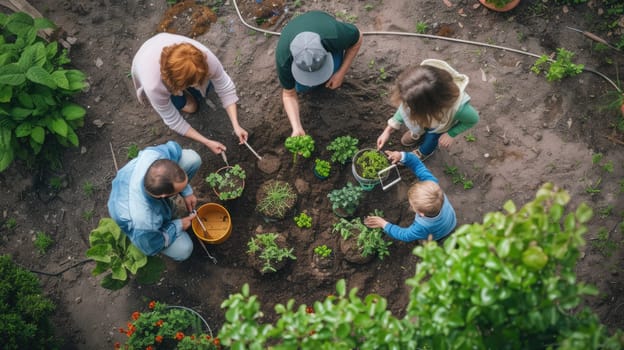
(174, 73)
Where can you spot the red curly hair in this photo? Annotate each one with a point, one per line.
(181, 66)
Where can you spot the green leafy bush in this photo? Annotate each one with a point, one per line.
(37, 118)
(302, 145)
(560, 68)
(112, 250)
(343, 149)
(370, 162)
(345, 200)
(323, 251)
(506, 283)
(43, 241)
(322, 167)
(24, 311)
(370, 241)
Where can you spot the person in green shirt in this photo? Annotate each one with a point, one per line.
(313, 49)
(433, 105)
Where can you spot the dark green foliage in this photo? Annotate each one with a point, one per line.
(24, 311)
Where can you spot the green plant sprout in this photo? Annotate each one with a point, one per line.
(87, 215)
(88, 188)
(133, 151)
(605, 212)
(43, 241)
(369, 240)
(594, 188)
(421, 27)
(608, 166)
(596, 158)
(302, 145)
(382, 74)
(345, 200)
(10, 223)
(229, 183)
(457, 178)
(303, 220)
(603, 244)
(562, 67)
(343, 149)
(369, 7)
(470, 137)
(371, 64)
(322, 251)
(56, 183)
(270, 252)
(278, 199)
(322, 167)
(347, 17)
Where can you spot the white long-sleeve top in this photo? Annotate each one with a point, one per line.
(148, 83)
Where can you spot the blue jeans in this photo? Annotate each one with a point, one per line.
(430, 142)
(180, 101)
(337, 56)
(182, 246)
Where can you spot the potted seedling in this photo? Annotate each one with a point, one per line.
(343, 148)
(366, 165)
(345, 200)
(268, 252)
(360, 243)
(228, 182)
(322, 169)
(323, 257)
(275, 199)
(302, 145)
(303, 220)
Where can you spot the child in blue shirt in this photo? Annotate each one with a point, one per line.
(434, 213)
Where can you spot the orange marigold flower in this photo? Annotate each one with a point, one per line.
(159, 323)
(117, 346)
(192, 337)
(121, 330)
(216, 341)
(135, 315)
(179, 336)
(208, 337)
(149, 347)
(310, 309)
(158, 338)
(152, 304)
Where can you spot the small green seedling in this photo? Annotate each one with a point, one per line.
(322, 167)
(369, 7)
(421, 27)
(470, 138)
(43, 241)
(302, 145)
(603, 244)
(56, 183)
(594, 187)
(605, 212)
(133, 151)
(303, 220)
(10, 223)
(608, 166)
(87, 215)
(322, 251)
(560, 68)
(456, 177)
(343, 149)
(596, 158)
(88, 188)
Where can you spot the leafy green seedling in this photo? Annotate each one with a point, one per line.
(322, 251)
(88, 188)
(303, 220)
(133, 151)
(560, 68)
(43, 241)
(470, 138)
(421, 27)
(302, 145)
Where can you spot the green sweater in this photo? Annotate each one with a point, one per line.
(335, 36)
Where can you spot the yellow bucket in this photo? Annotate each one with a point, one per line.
(216, 220)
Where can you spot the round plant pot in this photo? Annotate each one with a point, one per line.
(277, 209)
(508, 7)
(238, 183)
(366, 183)
(319, 176)
(257, 263)
(216, 220)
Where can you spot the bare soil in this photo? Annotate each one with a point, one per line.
(531, 131)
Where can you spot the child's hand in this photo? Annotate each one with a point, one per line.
(394, 156)
(375, 222)
(382, 139)
(446, 140)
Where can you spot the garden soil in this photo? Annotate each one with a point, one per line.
(531, 131)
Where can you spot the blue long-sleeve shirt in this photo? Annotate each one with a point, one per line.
(146, 220)
(439, 226)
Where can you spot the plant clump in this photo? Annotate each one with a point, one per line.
(370, 162)
(265, 246)
(322, 168)
(345, 200)
(343, 149)
(37, 118)
(370, 241)
(275, 199)
(558, 69)
(303, 220)
(228, 182)
(322, 251)
(302, 145)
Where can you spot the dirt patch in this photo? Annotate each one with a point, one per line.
(531, 131)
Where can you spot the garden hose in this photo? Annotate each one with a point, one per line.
(437, 37)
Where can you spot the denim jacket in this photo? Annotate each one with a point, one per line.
(146, 220)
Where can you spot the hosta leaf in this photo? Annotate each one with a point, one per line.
(19, 113)
(43, 23)
(51, 50)
(23, 129)
(38, 135)
(25, 100)
(72, 137)
(6, 92)
(12, 74)
(40, 76)
(72, 111)
(60, 79)
(59, 126)
(19, 23)
(76, 79)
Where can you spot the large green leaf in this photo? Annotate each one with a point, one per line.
(113, 284)
(76, 79)
(59, 126)
(100, 252)
(43, 23)
(38, 135)
(25, 100)
(40, 76)
(72, 111)
(6, 93)
(19, 23)
(60, 79)
(72, 137)
(151, 272)
(51, 50)
(12, 74)
(4, 57)
(23, 130)
(19, 113)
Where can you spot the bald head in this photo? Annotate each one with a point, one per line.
(164, 178)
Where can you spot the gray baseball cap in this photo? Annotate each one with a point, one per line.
(312, 64)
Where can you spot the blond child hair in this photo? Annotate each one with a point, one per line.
(182, 66)
(426, 197)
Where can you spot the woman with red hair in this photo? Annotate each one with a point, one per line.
(174, 73)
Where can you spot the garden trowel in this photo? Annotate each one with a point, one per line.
(201, 223)
(224, 159)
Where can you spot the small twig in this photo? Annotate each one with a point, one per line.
(62, 271)
(614, 139)
(114, 159)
